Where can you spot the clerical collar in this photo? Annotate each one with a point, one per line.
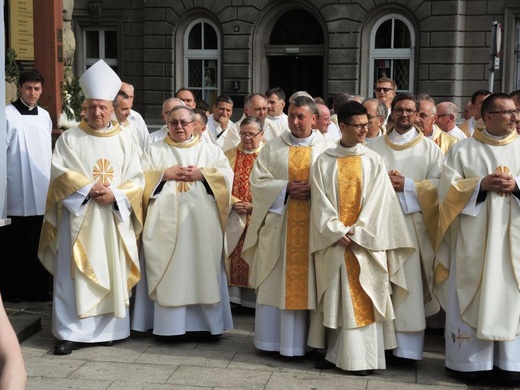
(401, 139)
(24, 109)
(302, 141)
(105, 129)
(494, 136)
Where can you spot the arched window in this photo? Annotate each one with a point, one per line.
(392, 47)
(202, 60)
(100, 43)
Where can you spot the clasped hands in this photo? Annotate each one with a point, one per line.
(345, 240)
(101, 193)
(299, 189)
(180, 173)
(499, 182)
(244, 208)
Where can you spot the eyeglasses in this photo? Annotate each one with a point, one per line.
(382, 89)
(506, 112)
(424, 115)
(370, 117)
(250, 136)
(441, 115)
(182, 123)
(361, 126)
(401, 111)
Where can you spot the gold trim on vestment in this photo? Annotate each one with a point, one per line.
(83, 125)
(480, 136)
(168, 139)
(429, 201)
(350, 188)
(298, 219)
(221, 192)
(455, 200)
(404, 146)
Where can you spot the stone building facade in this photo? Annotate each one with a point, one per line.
(439, 47)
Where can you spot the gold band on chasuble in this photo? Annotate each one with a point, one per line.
(297, 251)
(350, 185)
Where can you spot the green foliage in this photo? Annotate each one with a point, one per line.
(72, 97)
(11, 68)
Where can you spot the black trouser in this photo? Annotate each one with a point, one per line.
(21, 274)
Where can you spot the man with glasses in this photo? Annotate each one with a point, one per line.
(187, 197)
(415, 164)
(426, 119)
(447, 114)
(480, 220)
(515, 95)
(255, 104)
(241, 160)
(385, 90)
(355, 217)
(276, 246)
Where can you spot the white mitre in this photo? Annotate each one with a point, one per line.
(100, 82)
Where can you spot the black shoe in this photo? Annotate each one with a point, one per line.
(324, 364)
(313, 355)
(66, 347)
(106, 343)
(397, 361)
(468, 376)
(361, 372)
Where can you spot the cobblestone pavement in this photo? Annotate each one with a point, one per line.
(141, 362)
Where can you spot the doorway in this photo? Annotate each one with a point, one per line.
(297, 73)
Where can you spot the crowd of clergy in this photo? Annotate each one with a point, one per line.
(349, 231)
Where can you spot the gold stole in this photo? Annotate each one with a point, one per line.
(350, 184)
(297, 247)
(239, 269)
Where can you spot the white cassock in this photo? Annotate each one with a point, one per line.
(478, 274)
(91, 249)
(183, 241)
(419, 159)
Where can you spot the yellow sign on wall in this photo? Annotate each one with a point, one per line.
(21, 29)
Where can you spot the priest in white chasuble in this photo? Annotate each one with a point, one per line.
(478, 269)
(414, 165)
(92, 219)
(187, 202)
(276, 246)
(360, 243)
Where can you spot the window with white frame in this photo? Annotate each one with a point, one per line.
(100, 43)
(202, 60)
(392, 46)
